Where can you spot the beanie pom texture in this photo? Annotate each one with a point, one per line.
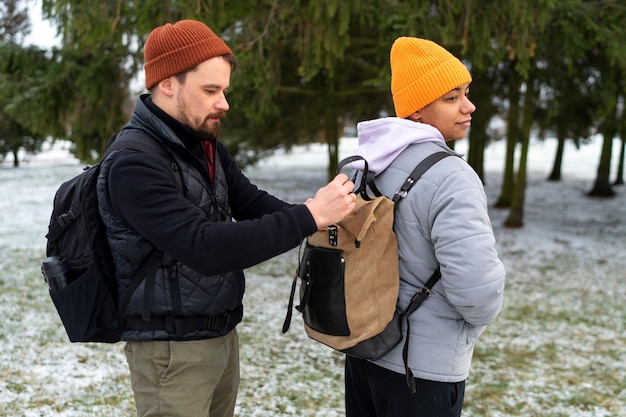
(421, 72)
(174, 48)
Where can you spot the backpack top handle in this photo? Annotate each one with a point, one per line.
(367, 179)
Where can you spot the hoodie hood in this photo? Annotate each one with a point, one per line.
(382, 140)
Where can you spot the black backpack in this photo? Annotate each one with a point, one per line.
(79, 267)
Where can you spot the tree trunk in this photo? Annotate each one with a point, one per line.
(331, 132)
(333, 156)
(516, 213)
(555, 175)
(16, 160)
(602, 186)
(481, 97)
(476, 150)
(512, 133)
(619, 179)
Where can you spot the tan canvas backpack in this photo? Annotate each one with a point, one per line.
(349, 275)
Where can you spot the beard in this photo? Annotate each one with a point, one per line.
(206, 129)
(209, 129)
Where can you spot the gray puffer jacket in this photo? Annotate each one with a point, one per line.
(442, 221)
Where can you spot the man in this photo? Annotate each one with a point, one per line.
(442, 222)
(192, 244)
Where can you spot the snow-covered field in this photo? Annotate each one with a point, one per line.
(557, 349)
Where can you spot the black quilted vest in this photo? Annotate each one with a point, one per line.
(182, 303)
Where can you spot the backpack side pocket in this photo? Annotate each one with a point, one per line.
(87, 309)
(322, 290)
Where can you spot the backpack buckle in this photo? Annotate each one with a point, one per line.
(66, 218)
(333, 235)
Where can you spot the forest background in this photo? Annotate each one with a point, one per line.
(308, 71)
(550, 71)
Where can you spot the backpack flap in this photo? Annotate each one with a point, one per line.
(364, 216)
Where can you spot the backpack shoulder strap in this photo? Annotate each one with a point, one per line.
(425, 291)
(417, 172)
(147, 145)
(368, 177)
(146, 271)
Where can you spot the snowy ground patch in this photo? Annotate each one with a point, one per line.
(557, 348)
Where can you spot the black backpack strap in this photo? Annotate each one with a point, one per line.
(368, 177)
(417, 172)
(148, 145)
(426, 290)
(416, 301)
(65, 219)
(287, 321)
(180, 326)
(147, 271)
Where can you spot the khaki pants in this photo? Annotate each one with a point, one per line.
(197, 378)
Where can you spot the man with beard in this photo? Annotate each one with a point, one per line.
(192, 245)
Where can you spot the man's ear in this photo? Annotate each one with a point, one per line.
(166, 87)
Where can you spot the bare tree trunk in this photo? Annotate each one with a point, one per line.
(482, 99)
(602, 186)
(332, 140)
(512, 134)
(516, 214)
(619, 179)
(555, 175)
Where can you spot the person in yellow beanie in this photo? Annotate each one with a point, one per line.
(442, 223)
(189, 243)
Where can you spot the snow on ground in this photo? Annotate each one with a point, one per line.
(557, 349)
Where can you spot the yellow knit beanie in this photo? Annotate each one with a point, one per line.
(421, 72)
(174, 48)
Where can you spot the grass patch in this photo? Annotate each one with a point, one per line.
(557, 348)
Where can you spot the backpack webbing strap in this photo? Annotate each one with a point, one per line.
(417, 172)
(64, 220)
(424, 292)
(287, 321)
(181, 326)
(420, 296)
(146, 272)
(149, 146)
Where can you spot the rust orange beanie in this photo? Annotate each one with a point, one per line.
(174, 48)
(421, 72)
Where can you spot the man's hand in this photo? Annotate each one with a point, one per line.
(332, 202)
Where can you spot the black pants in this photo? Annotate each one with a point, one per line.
(373, 391)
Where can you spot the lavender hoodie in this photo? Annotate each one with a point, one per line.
(443, 220)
